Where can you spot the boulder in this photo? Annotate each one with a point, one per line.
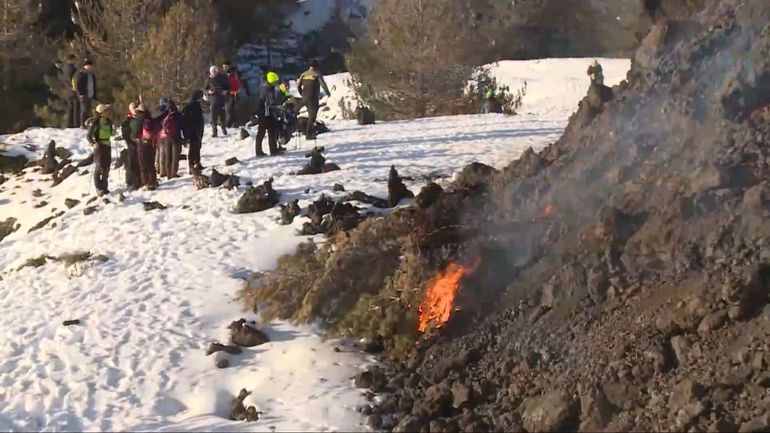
(239, 412)
(90, 210)
(153, 205)
(7, 227)
(429, 194)
(475, 176)
(289, 211)
(316, 163)
(338, 188)
(218, 347)
(397, 191)
(63, 153)
(48, 162)
(553, 411)
(258, 199)
(366, 198)
(71, 202)
(244, 134)
(231, 161)
(63, 174)
(245, 334)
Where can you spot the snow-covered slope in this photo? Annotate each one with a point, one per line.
(137, 360)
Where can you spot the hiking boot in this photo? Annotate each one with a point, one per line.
(224, 132)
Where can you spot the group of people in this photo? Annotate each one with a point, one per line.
(154, 142)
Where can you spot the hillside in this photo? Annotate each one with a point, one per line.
(166, 290)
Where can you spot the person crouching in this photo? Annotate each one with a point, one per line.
(99, 134)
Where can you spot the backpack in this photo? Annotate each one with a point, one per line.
(125, 130)
(171, 125)
(150, 130)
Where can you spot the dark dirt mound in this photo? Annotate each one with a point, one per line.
(625, 269)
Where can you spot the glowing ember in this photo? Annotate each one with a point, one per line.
(549, 210)
(439, 300)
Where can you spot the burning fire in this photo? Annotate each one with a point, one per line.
(439, 300)
(549, 210)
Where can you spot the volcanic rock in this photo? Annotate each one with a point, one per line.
(712, 322)
(429, 194)
(231, 161)
(222, 363)
(397, 191)
(63, 174)
(218, 347)
(338, 188)
(553, 411)
(90, 210)
(258, 199)
(475, 176)
(239, 412)
(71, 202)
(44, 222)
(368, 199)
(245, 334)
(244, 134)
(63, 153)
(373, 379)
(758, 424)
(7, 227)
(48, 161)
(153, 205)
(71, 322)
(290, 211)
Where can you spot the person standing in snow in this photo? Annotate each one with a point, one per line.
(84, 84)
(73, 106)
(193, 122)
(491, 105)
(309, 85)
(170, 139)
(595, 73)
(217, 89)
(147, 138)
(99, 134)
(131, 130)
(235, 86)
(268, 101)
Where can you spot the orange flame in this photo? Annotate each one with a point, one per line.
(549, 210)
(439, 300)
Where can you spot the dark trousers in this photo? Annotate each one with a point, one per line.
(147, 164)
(85, 109)
(194, 153)
(170, 151)
(230, 111)
(73, 111)
(102, 158)
(218, 116)
(312, 115)
(270, 126)
(133, 177)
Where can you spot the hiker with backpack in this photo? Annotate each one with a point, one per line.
(148, 141)
(99, 134)
(217, 89)
(193, 126)
(309, 85)
(131, 129)
(269, 100)
(170, 139)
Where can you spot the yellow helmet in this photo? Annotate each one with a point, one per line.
(272, 78)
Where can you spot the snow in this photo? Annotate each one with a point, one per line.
(137, 361)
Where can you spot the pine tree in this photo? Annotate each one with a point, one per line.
(418, 57)
(173, 58)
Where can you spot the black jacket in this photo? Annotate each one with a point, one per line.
(192, 120)
(268, 99)
(83, 81)
(217, 88)
(309, 85)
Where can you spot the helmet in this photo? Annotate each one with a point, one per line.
(102, 108)
(273, 77)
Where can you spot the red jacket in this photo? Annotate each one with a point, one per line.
(235, 84)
